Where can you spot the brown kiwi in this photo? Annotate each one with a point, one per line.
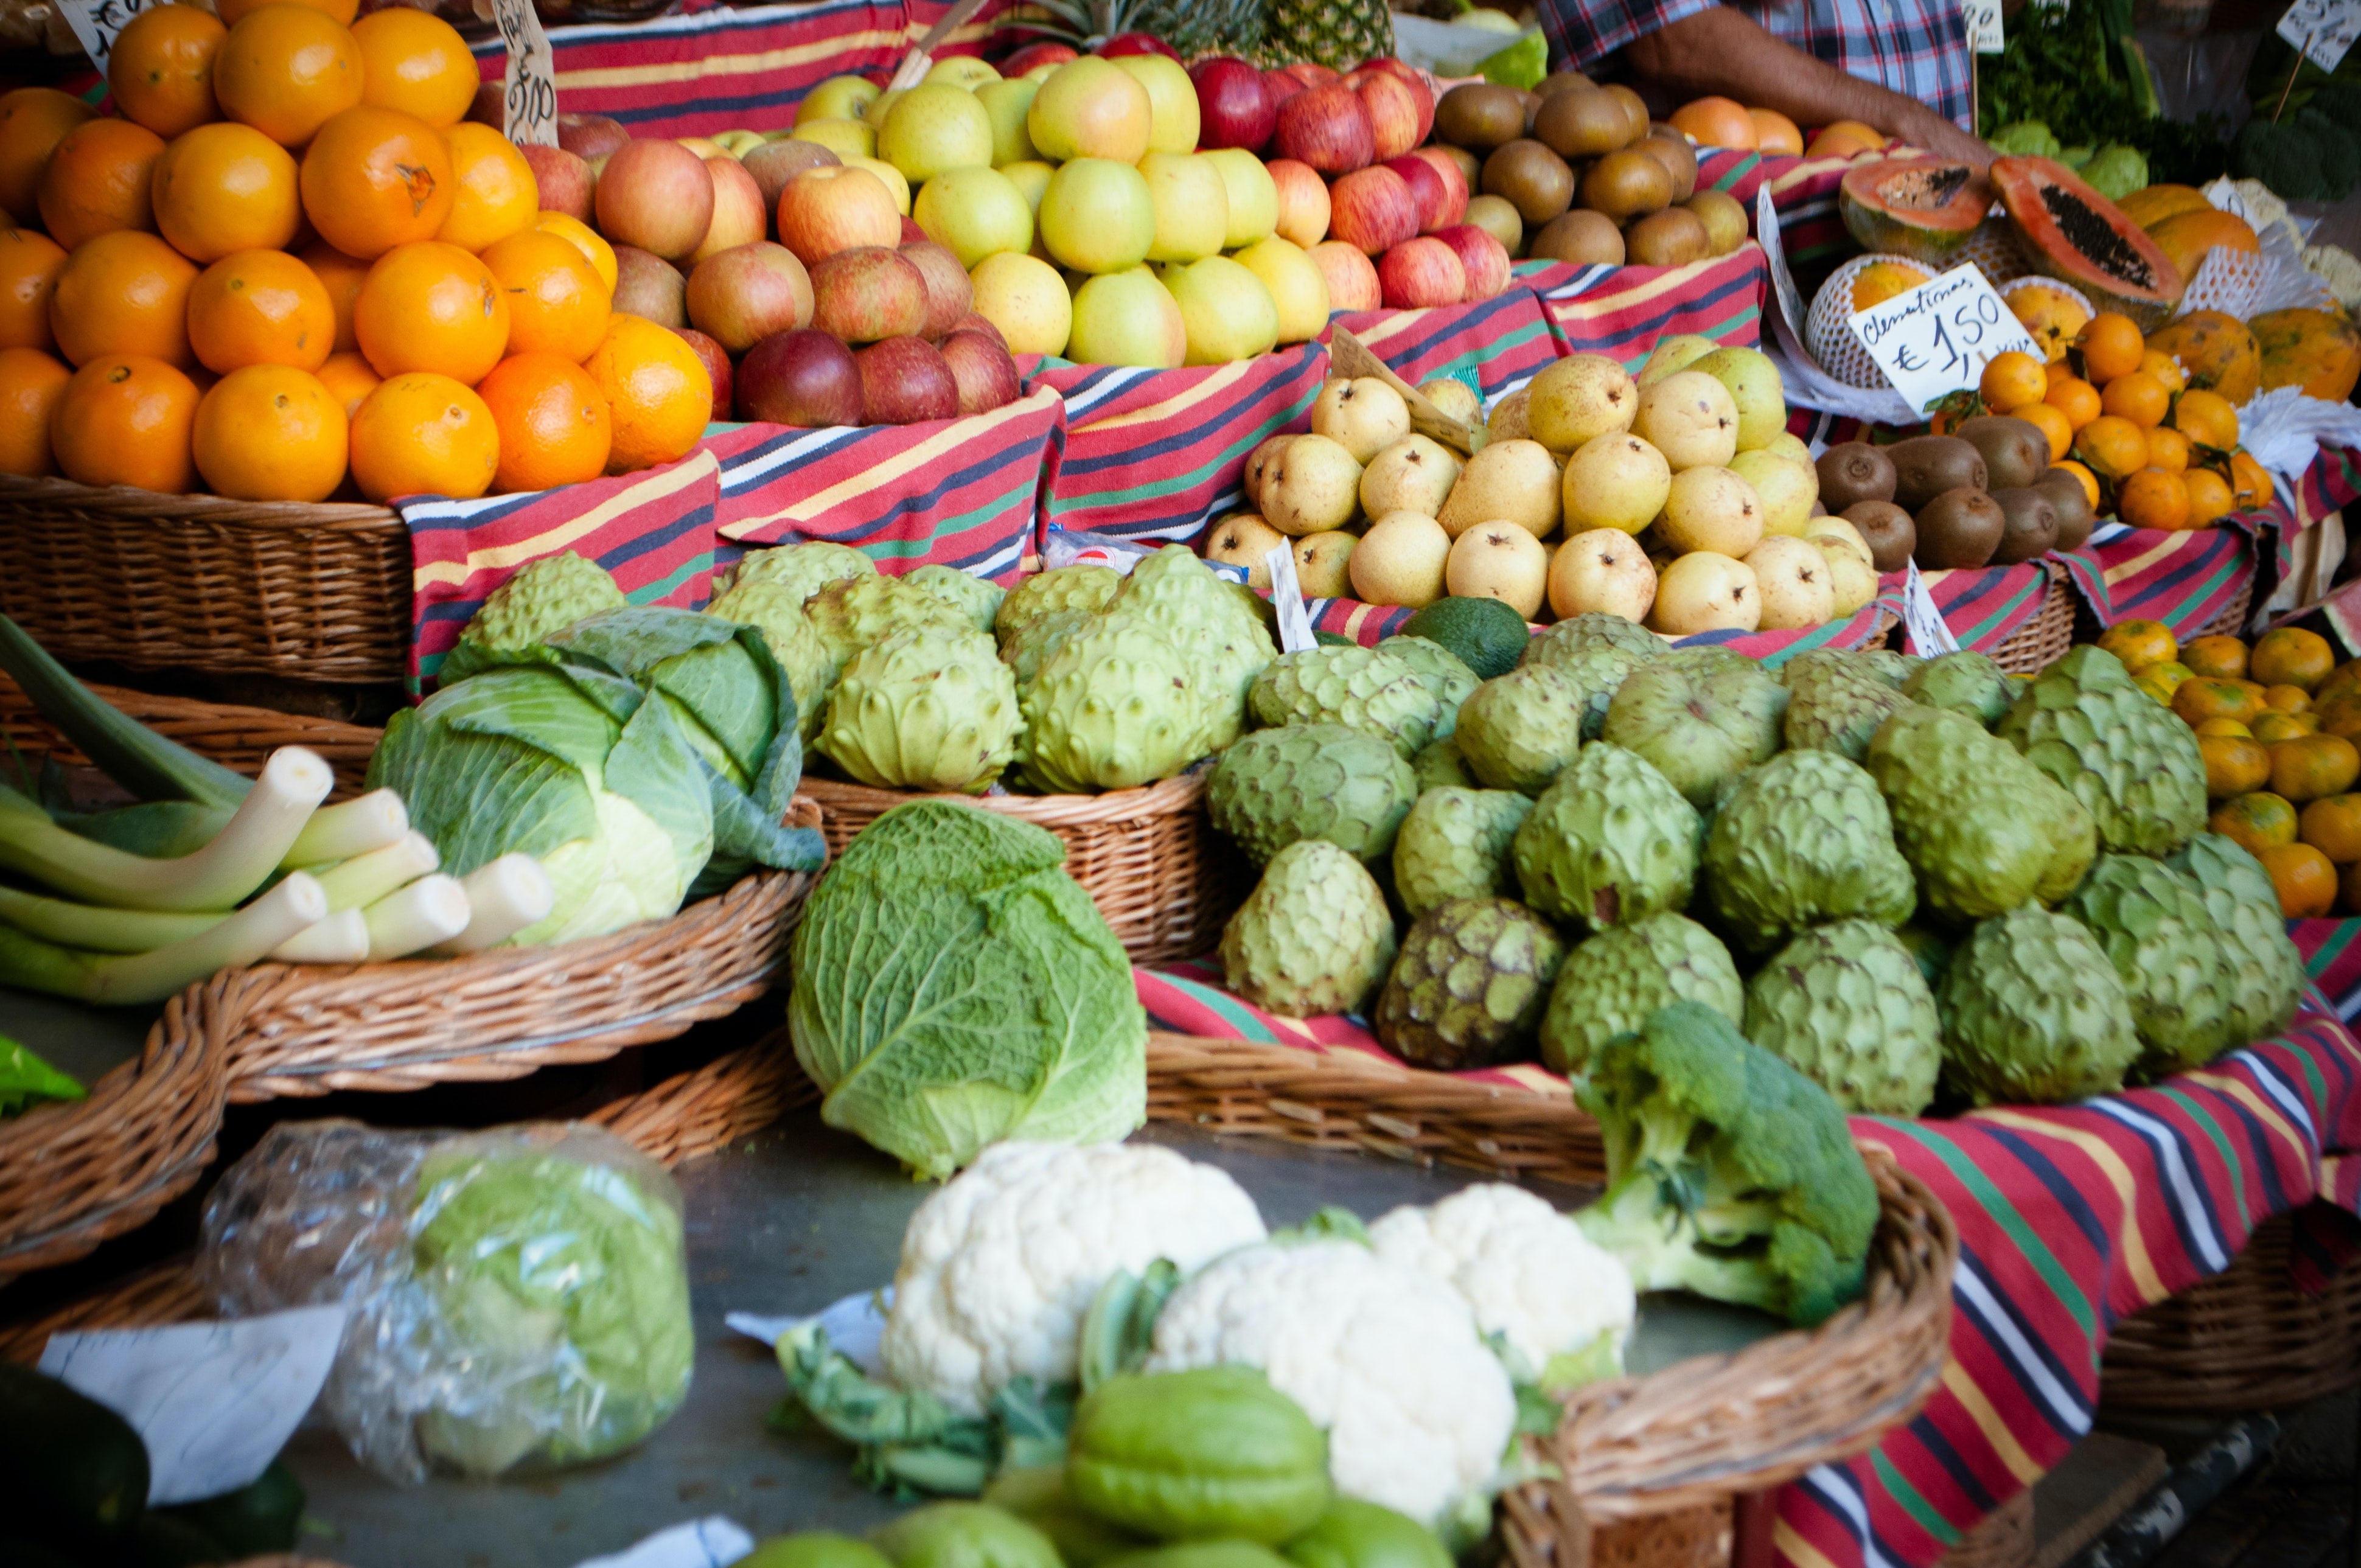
(1480, 116)
(2072, 504)
(1673, 237)
(1926, 466)
(1626, 184)
(2031, 525)
(1533, 106)
(1534, 179)
(1854, 471)
(1558, 81)
(1961, 527)
(1678, 157)
(1581, 236)
(2016, 451)
(1582, 125)
(1888, 530)
(1724, 217)
(1633, 106)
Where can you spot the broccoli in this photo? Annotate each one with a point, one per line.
(2340, 158)
(1730, 1173)
(2309, 158)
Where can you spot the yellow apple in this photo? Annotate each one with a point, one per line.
(895, 186)
(1192, 207)
(963, 71)
(1127, 318)
(1027, 299)
(936, 126)
(975, 212)
(837, 98)
(1253, 196)
(1098, 217)
(846, 138)
(1171, 101)
(1006, 102)
(1225, 312)
(1297, 286)
(1091, 108)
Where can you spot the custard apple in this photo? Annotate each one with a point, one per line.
(1595, 628)
(1083, 586)
(1313, 937)
(2034, 1013)
(1847, 1006)
(1609, 984)
(1597, 665)
(804, 569)
(1032, 644)
(1469, 986)
(1444, 675)
(2266, 972)
(1221, 645)
(1112, 708)
(2127, 758)
(1519, 730)
(1310, 781)
(924, 713)
(1889, 666)
(1965, 682)
(1985, 831)
(1441, 763)
(1803, 839)
(1380, 693)
(1456, 843)
(973, 596)
(1611, 842)
(543, 597)
(774, 609)
(853, 613)
(1835, 704)
(2153, 924)
(1698, 723)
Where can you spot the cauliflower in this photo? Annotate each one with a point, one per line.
(2338, 267)
(1386, 1358)
(1560, 1301)
(999, 1266)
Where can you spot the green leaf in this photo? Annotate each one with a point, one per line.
(27, 1080)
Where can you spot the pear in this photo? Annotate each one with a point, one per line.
(1601, 570)
(1792, 577)
(1754, 385)
(1455, 398)
(1834, 534)
(1706, 591)
(1614, 481)
(1322, 565)
(1415, 474)
(1501, 561)
(1365, 416)
(1250, 478)
(1508, 418)
(1851, 579)
(1710, 508)
(1791, 447)
(1579, 398)
(1244, 540)
(1509, 481)
(1402, 561)
(1313, 485)
(1672, 354)
(1789, 491)
(1691, 417)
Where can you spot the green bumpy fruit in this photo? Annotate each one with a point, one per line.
(2266, 972)
(1700, 722)
(1444, 675)
(1037, 1494)
(1803, 839)
(1965, 682)
(1610, 843)
(1598, 662)
(1110, 709)
(1469, 987)
(1207, 1554)
(1595, 628)
(775, 610)
(1356, 686)
(1088, 587)
(962, 1535)
(853, 613)
(1223, 646)
(804, 569)
(1310, 781)
(924, 713)
(544, 598)
(1033, 643)
(1609, 984)
(1835, 703)
(2034, 1013)
(1889, 666)
(2153, 924)
(1519, 730)
(1846, 1006)
(815, 1549)
(1456, 843)
(1985, 831)
(1313, 937)
(2129, 760)
(1198, 1455)
(1355, 1534)
(973, 597)
(1441, 765)
(1483, 633)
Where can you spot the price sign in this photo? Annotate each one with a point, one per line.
(2323, 29)
(1983, 27)
(95, 24)
(1287, 598)
(1922, 623)
(530, 115)
(1936, 339)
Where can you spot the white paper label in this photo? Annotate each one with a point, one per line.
(1783, 283)
(1929, 633)
(1287, 597)
(214, 1402)
(714, 1541)
(1936, 339)
(2323, 29)
(856, 1326)
(96, 24)
(1983, 27)
(530, 111)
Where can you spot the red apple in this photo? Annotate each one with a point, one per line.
(1351, 276)
(774, 163)
(564, 180)
(1422, 93)
(717, 368)
(1278, 86)
(1388, 62)
(910, 231)
(1426, 188)
(1455, 181)
(973, 323)
(745, 294)
(1327, 127)
(805, 377)
(1394, 114)
(1035, 55)
(1419, 273)
(1303, 205)
(649, 286)
(1233, 110)
(950, 292)
(983, 371)
(1136, 43)
(740, 216)
(490, 106)
(904, 380)
(1313, 74)
(823, 211)
(588, 137)
(1482, 258)
(867, 293)
(656, 195)
(1372, 210)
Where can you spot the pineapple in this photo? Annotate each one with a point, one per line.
(1193, 27)
(1338, 34)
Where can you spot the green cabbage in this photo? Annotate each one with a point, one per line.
(954, 987)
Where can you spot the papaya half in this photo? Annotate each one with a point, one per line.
(2068, 231)
(2313, 349)
(2216, 352)
(1924, 208)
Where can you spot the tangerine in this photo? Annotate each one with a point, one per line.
(556, 302)
(2223, 726)
(2217, 658)
(2339, 715)
(2289, 699)
(162, 67)
(33, 120)
(259, 307)
(584, 238)
(2292, 656)
(2139, 643)
(2112, 446)
(2235, 764)
(420, 434)
(493, 191)
(2250, 482)
(417, 63)
(2112, 347)
(97, 182)
(2151, 498)
(224, 188)
(657, 390)
(2165, 369)
(125, 418)
(29, 264)
(342, 277)
(124, 293)
(2058, 371)
(2256, 822)
(2209, 494)
(2053, 424)
(30, 385)
(2012, 380)
(2271, 725)
(2168, 674)
(377, 178)
(552, 419)
(1774, 132)
(2088, 480)
(270, 433)
(2207, 419)
(348, 379)
(286, 70)
(2305, 879)
(2310, 766)
(2168, 450)
(432, 306)
(2139, 396)
(2201, 699)
(2074, 398)
(232, 12)
(1714, 121)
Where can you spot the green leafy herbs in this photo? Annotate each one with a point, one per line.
(25, 1080)
(2080, 73)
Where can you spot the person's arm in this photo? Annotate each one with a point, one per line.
(1722, 50)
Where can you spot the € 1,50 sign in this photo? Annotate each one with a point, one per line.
(1936, 339)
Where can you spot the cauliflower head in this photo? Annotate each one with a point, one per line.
(999, 1266)
(1385, 1357)
(1559, 1300)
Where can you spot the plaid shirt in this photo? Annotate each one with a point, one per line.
(1915, 47)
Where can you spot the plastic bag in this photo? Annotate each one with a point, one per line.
(516, 1297)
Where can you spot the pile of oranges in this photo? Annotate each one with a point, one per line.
(2277, 723)
(2151, 451)
(291, 267)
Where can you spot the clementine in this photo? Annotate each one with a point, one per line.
(2198, 701)
(2287, 699)
(552, 419)
(161, 69)
(2112, 446)
(377, 178)
(1774, 132)
(30, 385)
(2305, 879)
(97, 182)
(2165, 369)
(223, 188)
(2139, 643)
(2209, 494)
(1716, 122)
(33, 120)
(2139, 396)
(420, 434)
(2168, 450)
(556, 301)
(417, 63)
(348, 379)
(2333, 826)
(584, 238)
(270, 433)
(29, 264)
(2112, 347)
(2235, 764)
(2311, 766)
(2052, 423)
(657, 390)
(2074, 398)
(2151, 498)
(2207, 419)
(2250, 482)
(342, 277)
(259, 307)
(125, 418)
(2089, 481)
(2216, 657)
(232, 12)
(432, 306)
(124, 293)
(2256, 822)
(2012, 380)
(286, 71)
(2294, 657)
(2272, 726)
(493, 195)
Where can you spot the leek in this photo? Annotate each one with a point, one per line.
(100, 930)
(431, 909)
(349, 827)
(107, 979)
(341, 939)
(504, 896)
(360, 882)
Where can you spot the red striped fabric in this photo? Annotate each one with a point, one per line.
(1495, 345)
(1622, 311)
(1987, 606)
(2183, 579)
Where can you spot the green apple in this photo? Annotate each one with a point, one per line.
(1253, 196)
(1171, 101)
(837, 98)
(1043, 71)
(1032, 176)
(1027, 299)
(975, 212)
(737, 144)
(1225, 312)
(1091, 108)
(882, 105)
(846, 138)
(1098, 217)
(963, 71)
(1127, 318)
(936, 126)
(1193, 206)
(1297, 286)
(897, 187)
(1006, 102)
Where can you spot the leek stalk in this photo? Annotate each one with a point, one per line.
(108, 979)
(100, 930)
(360, 882)
(341, 939)
(431, 909)
(504, 896)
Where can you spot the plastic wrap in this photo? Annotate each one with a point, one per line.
(517, 1297)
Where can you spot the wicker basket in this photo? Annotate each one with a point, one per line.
(310, 593)
(2005, 1538)
(238, 738)
(2042, 641)
(1162, 877)
(2231, 621)
(2246, 1339)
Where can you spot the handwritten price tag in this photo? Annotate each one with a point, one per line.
(2323, 29)
(1936, 339)
(1983, 27)
(1287, 598)
(530, 118)
(1929, 634)
(96, 23)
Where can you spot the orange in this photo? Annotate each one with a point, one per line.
(2051, 422)
(348, 379)
(376, 177)
(1774, 132)
(270, 433)
(2209, 494)
(2090, 481)
(2012, 380)
(2217, 658)
(2151, 498)
(416, 64)
(2165, 369)
(2207, 419)
(2140, 643)
(259, 307)
(2271, 725)
(2201, 699)
(342, 277)
(2311, 766)
(493, 192)
(287, 71)
(29, 264)
(97, 182)
(30, 385)
(33, 120)
(224, 188)
(579, 235)
(2111, 347)
(2074, 398)
(338, 11)
(2250, 482)
(161, 69)
(552, 419)
(2292, 656)
(2222, 726)
(2333, 826)
(556, 302)
(420, 434)
(656, 386)
(2168, 450)
(2168, 674)
(124, 293)
(2139, 396)
(2254, 822)
(2341, 681)
(2112, 446)
(2233, 764)
(2340, 715)
(125, 420)
(2289, 699)
(432, 306)
(2056, 370)
(1715, 122)
(2304, 877)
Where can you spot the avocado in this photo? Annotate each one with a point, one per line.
(76, 1468)
(1926, 466)
(1483, 633)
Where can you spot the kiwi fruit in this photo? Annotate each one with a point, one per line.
(2072, 504)
(1533, 106)
(1886, 529)
(1581, 236)
(1961, 527)
(1626, 184)
(1582, 124)
(1724, 217)
(1480, 116)
(2031, 527)
(1854, 471)
(1633, 106)
(1673, 237)
(1536, 181)
(1672, 150)
(1558, 81)
(2016, 452)
(1926, 466)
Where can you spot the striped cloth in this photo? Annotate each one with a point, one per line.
(2183, 579)
(1368, 624)
(1986, 606)
(1495, 345)
(1622, 311)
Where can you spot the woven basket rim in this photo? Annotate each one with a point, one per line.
(1163, 798)
(157, 505)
